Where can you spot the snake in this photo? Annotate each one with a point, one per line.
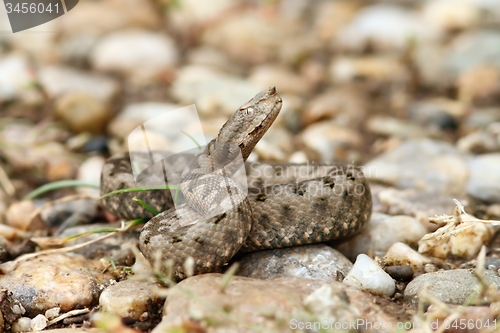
(221, 218)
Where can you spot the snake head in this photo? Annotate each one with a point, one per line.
(251, 121)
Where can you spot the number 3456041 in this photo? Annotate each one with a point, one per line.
(31, 8)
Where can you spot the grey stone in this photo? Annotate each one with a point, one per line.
(484, 181)
(317, 261)
(453, 286)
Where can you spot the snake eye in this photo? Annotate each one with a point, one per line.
(248, 111)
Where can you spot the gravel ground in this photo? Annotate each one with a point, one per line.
(409, 91)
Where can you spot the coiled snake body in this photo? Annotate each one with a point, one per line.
(200, 236)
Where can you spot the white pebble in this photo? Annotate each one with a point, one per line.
(38, 323)
(367, 275)
(23, 324)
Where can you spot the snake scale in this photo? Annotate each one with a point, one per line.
(203, 234)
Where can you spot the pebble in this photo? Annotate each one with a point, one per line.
(478, 142)
(193, 13)
(138, 55)
(420, 205)
(331, 141)
(57, 280)
(249, 31)
(70, 213)
(16, 76)
(133, 299)
(98, 18)
(401, 254)
(400, 273)
(266, 76)
(451, 15)
(484, 180)
(472, 49)
(386, 27)
(135, 114)
(345, 105)
(90, 172)
(60, 80)
(118, 248)
(317, 261)
(38, 323)
(452, 286)
(18, 216)
(367, 275)
(212, 57)
(275, 305)
(378, 69)
(22, 325)
(213, 92)
(423, 164)
(437, 114)
(82, 113)
(380, 233)
(390, 126)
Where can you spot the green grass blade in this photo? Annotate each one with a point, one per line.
(58, 185)
(139, 189)
(193, 139)
(147, 207)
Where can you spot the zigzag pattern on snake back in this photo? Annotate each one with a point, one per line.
(219, 220)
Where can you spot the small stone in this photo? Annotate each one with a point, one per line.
(484, 180)
(22, 325)
(400, 273)
(380, 233)
(478, 83)
(451, 15)
(331, 141)
(288, 301)
(131, 299)
(309, 261)
(58, 81)
(18, 216)
(198, 14)
(423, 164)
(453, 286)
(66, 281)
(212, 91)
(65, 214)
(265, 76)
(385, 27)
(415, 203)
(478, 142)
(437, 114)
(136, 114)
(367, 275)
(139, 55)
(238, 34)
(472, 49)
(117, 247)
(52, 313)
(16, 77)
(38, 323)
(96, 18)
(401, 254)
(90, 172)
(347, 106)
(379, 69)
(385, 125)
(82, 113)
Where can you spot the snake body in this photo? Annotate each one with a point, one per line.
(220, 219)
